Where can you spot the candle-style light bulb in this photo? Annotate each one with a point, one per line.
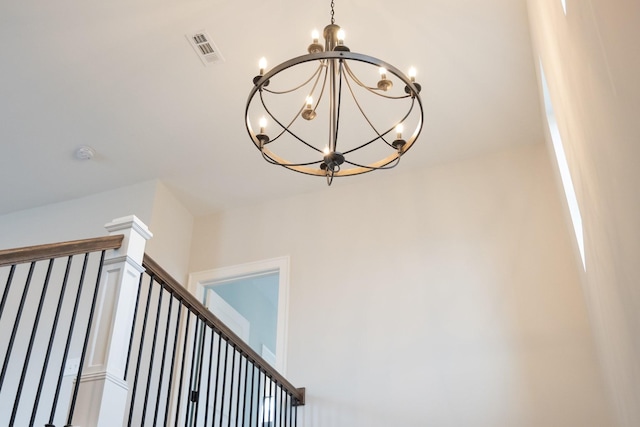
(384, 84)
(399, 143)
(315, 47)
(262, 64)
(263, 124)
(412, 74)
(307, 112)
(341, 36)
(326, 150)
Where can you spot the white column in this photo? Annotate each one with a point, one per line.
(103, 392)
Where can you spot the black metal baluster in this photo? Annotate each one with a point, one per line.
(244, 395)
(258, 406)
(7, 354)
(295, 415)
(162, 363)
(274, 400)
(206, 409)
(215, 390)
(224, 379)
(277, 410)
(86, 342)
(272, 405)
(140, 351)
(151, 356)
(5, 293)
(281, 404)
(253, 376)
(34, 331)
(54, 327)
(67, 345)
(133, 327)
(199, 372)
(190, 397)
(287, 407)
(233, 373)
(239, 388)
(173, 363)
(180, 382)
(267, 397)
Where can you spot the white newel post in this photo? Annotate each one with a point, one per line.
(102, 395)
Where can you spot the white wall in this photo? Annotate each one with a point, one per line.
(82, 218)
(75, 219)
(592, 62)
(446, 297)
(172, 225)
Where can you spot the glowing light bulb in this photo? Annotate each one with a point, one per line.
(263, 124)
(412, 74)
(309, 102)
(315, 35)
(326, 150)
(340, 36)
(399, 130)
(262, 64)
(383, 73)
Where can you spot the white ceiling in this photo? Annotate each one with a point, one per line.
(122, 78)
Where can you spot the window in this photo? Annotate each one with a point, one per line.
(565, 174)
(272, 276)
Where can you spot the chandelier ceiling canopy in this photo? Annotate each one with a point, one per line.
(318, 114)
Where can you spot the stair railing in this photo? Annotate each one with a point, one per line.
(46, 313)
(67, 313)
(189, 369)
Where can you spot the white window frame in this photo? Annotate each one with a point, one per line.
(199, 281)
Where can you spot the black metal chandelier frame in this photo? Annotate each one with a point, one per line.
(334, 71)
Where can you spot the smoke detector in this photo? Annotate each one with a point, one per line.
(205, 48)
(85, 153)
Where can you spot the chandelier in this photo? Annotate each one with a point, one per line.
(316, 115)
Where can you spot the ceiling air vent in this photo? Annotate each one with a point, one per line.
(205, 48)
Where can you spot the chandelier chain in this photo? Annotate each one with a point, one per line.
(333, 21)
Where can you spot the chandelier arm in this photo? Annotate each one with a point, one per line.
(324, 84)
(332, 104)
(264, 105)
(275, 92)
(353, 76)
(373, 90)
(380, 136)
(337, 123)
(355, 99)
(301, 108)
(286, 128)
(330, 176)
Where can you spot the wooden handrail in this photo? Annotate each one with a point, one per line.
(55, 250)
(192, 303)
